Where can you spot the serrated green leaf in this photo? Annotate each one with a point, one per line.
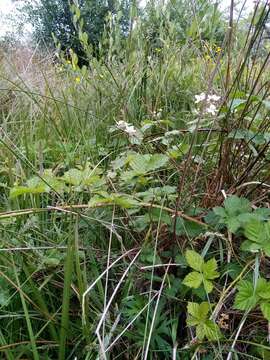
(254, 231)
(235, 205)
(200, 332)
(246, 298)
(208, 286)
(265, 309)
(263, 289)
(233, 224)
(210, 269)
(250, 246)
(193, 279)
(193, 309)
(211, 330)
(194, 260)
(204, 308)
(198, 311)
(219, 211)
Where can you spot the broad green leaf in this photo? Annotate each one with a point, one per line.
(193, 309)
(211, 330)
(193, 279)
(246, 298)
(198, 311)
(200, 331)
(233, 224)
(254, 231)
(265, 309)
(157, 161)
(220, 211)
(204, 308)
(194, 260)
(235, 205)
(250, 246)
(263, 289)
(210, 269)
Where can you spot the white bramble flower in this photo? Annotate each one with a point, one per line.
(213, 98)
(127, 128)
(200, 98)
(211, 109)
(210, 100)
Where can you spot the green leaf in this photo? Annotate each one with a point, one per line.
(233, 224)
(200, 331)
(193, 279)
(219, 211)
(246, 298)
(265, 309)
(263, 289)
(250, 246)
(235, 205)
(194, 260)
(22, 190)
(193, 309)
(208, 286)
(210, 269)
(211, 330)
(198, 311)
(254, 231)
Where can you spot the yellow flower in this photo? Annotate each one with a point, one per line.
(77, 79)
(218, 49)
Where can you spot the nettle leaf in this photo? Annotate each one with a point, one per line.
(193, 279)
(246, 297)
(194, 260)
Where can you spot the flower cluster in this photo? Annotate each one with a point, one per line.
(127, 128)
(210, 100)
